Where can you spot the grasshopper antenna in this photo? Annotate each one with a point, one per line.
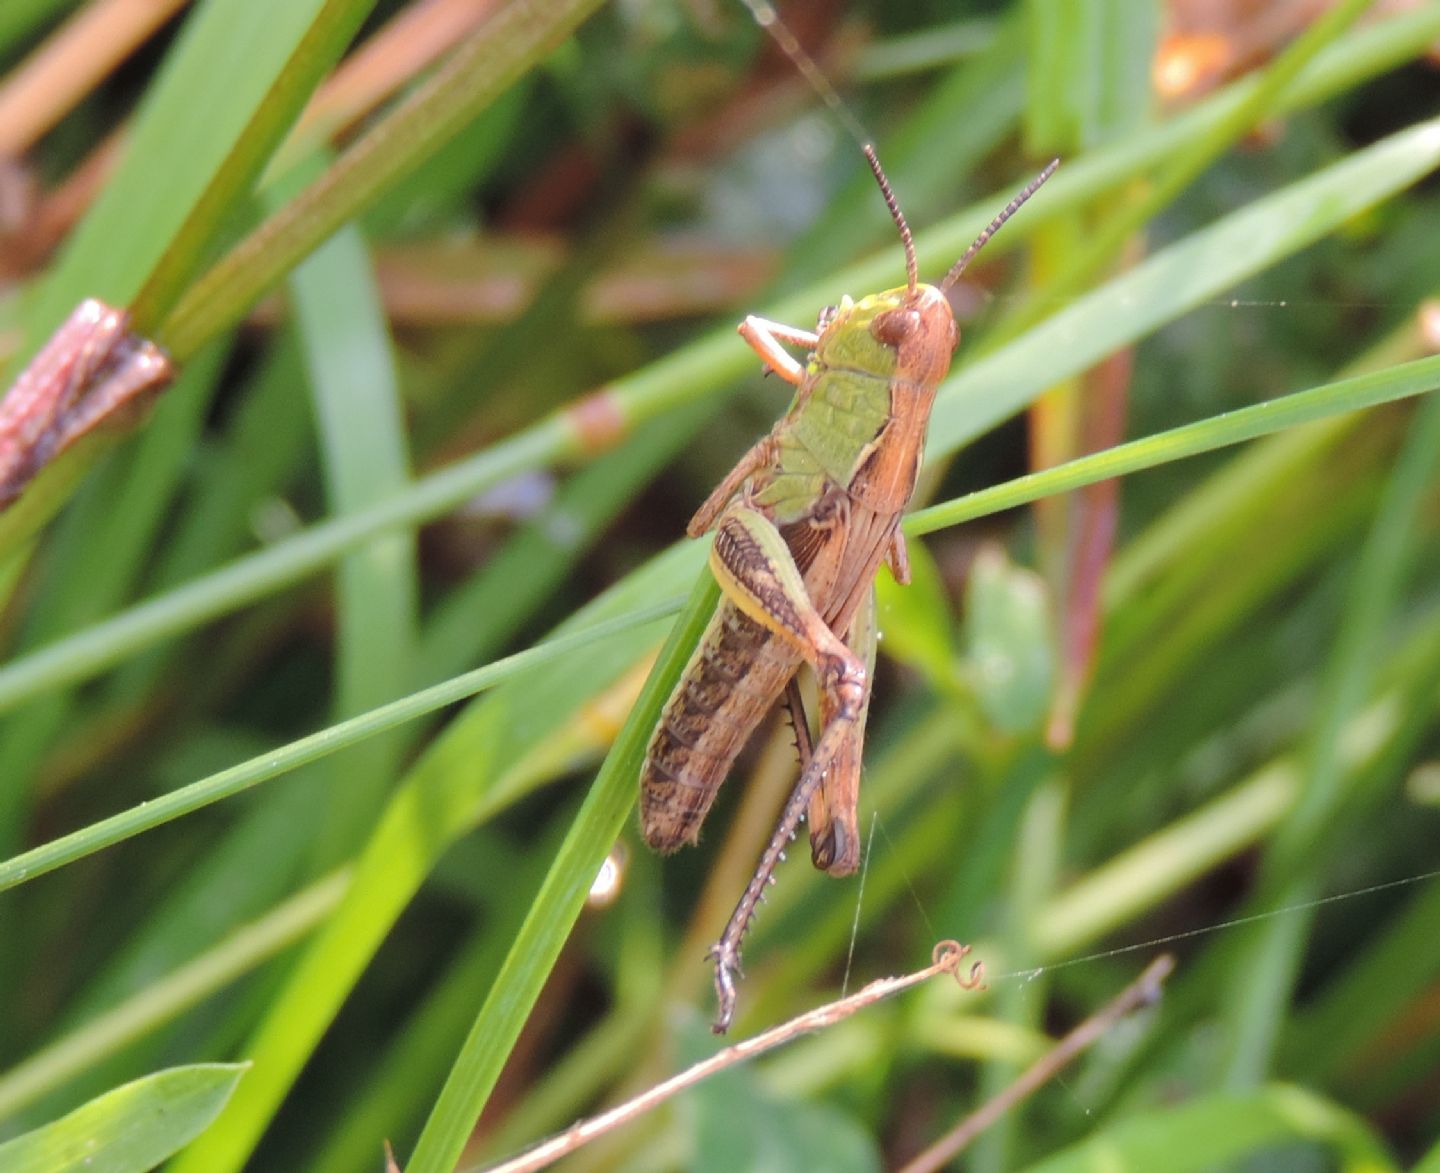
(769, 20)
(912, 270)
(994, 226)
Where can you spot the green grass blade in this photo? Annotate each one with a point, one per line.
(478, 617)
(274, 763)
(131, 1129)
(257, 575)
(558, 903)
(237, 77)
(1099, 249)
(1203, 265)
(509, 44)
(1262, 984)
(1233, 427)
(1133, 881)
(267, 59)
(235, 80)
(360, 424)
(168, 996)
(96, 560)
(401, 1089)
(484, 761)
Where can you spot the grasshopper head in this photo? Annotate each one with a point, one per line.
(904, 331)
(918, 324)
(913, 323)
(907, 333)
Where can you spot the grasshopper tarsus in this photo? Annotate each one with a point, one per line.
(727, 970)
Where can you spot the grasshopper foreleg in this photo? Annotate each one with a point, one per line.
(758, 573)
(765, 338)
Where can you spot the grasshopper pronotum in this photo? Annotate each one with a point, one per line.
(802, 524)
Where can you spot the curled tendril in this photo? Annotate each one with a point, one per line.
(947, 955)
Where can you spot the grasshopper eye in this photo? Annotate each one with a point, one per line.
(894, 326)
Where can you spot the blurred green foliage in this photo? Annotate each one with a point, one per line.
(390, 472)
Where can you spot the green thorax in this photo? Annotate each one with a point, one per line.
(838, 411)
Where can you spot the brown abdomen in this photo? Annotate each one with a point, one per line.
(732, 681)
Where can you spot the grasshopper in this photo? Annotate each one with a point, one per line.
(802, 524)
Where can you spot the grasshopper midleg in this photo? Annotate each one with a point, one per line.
(833, 813)
(802, 524)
